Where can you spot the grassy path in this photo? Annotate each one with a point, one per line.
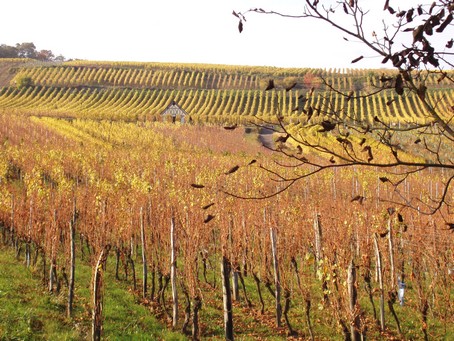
(29, 312)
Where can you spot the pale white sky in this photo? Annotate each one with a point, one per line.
(201, 31)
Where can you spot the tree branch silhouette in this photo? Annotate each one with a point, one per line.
(410, 45)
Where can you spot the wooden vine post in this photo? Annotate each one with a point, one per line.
(318, 240)
(98, 279)
(353, 302)
(72, 260)
(277, 280)
(13, 233)
(227, 299)
(235, 286)
(195, 317)
(380, 281)
(391, 254)
(401, 278)
(53, 279)
(144, 255)
(29, 236)
(393, 293)
(173, 273)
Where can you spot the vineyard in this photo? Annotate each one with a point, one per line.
(91, 178)
(130, 92)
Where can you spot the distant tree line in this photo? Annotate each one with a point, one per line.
(28, 50)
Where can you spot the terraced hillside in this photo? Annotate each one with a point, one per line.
(141, 91)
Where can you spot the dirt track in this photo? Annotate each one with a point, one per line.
(7, 72)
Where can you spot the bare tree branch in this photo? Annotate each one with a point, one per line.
(341, 139)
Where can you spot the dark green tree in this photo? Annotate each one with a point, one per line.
(8, 51)
(26, 50)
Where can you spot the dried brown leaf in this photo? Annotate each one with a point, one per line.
(357, 59)
(197, 186)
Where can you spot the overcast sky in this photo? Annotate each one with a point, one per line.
(201, 31)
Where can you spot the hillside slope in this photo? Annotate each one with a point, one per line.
(221, 93)
(8, 69)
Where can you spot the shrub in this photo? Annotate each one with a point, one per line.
(24, 81)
